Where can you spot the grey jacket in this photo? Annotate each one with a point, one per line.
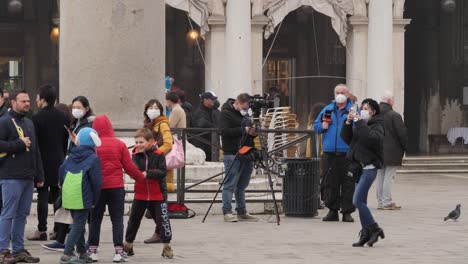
(395, 140)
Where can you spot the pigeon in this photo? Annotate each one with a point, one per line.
(455, 214)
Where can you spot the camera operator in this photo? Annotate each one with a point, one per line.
(337, 188)
(236, 133)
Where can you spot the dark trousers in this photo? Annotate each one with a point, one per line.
(76, 237)
(158, 210)
(45, 195)
(114, 199)
(62, 230)
(337, 187)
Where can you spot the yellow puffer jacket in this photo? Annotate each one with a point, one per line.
(162, 123)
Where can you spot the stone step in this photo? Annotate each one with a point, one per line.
(433, 171)
(436, 166)
(435, 159)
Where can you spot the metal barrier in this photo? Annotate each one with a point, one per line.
(197, 133)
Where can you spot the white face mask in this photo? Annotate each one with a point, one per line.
(341, 98)
(77, 113)
(153, 113)
(365, 114)
(244, 112)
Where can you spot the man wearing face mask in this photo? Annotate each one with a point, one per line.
(337, 187)
(236, 132)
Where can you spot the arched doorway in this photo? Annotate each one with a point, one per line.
(306, 50)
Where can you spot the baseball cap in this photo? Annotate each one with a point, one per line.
(208, 95)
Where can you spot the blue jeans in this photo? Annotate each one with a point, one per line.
(236, 181)
(17, 199)
(76, 235)
(360, 197)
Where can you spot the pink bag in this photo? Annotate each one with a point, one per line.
(175, 159)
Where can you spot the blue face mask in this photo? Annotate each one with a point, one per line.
(244, 112)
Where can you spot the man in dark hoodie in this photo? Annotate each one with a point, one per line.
(236, 132)
(20, 168)
(204, 118)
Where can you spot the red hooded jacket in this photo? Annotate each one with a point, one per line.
(114, 156)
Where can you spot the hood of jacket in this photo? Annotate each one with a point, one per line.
(229, 105)
(385, 108)
(81, 153)
(103, 126)
(377, 119)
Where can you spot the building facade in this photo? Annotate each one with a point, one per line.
(118, 53)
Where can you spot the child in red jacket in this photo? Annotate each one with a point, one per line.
(148, 193)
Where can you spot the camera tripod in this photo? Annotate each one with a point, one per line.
(260, 161)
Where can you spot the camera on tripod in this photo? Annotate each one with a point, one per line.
(258, 102)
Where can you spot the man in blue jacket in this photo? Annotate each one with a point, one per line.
(20, 168)
(337, 187)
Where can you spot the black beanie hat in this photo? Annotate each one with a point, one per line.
(373, 104)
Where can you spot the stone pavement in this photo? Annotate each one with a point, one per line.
(416, 234)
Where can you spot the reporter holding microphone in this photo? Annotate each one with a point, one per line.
(364, 134)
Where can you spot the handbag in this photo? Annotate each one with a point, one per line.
(355, 170)
(179, 211)
(175, 159)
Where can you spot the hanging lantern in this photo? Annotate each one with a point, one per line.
(448, 5)
(15, 7)
(193, 34)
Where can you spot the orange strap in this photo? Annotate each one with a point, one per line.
(244, 150)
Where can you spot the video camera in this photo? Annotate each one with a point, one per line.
(258, 102)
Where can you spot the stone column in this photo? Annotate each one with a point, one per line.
(113, 52)
(399, 63)
(356, 57)
(380, 48)
(215, 57)
(258, 23)
(238, 64)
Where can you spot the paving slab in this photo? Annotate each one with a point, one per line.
(416, 234)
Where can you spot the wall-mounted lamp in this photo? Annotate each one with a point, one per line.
(55, 35)
(193, 34)
(15, 7)
(448, 5)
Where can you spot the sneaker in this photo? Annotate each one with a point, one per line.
(86, 258)
(247, 218)
(55, 246)
(155, 238)
(120, 256)
(52, 236)
(230, 218)
(71, 260)
(167, 252)
(6, 257)
(391, 206)
(25, 256)
(93, 255)
(128, 248)
(38, 236)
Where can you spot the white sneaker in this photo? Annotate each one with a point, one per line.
(120, 257)
(230, 218)
(93, 255)
(247, 218)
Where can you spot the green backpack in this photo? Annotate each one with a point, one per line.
(72, 191)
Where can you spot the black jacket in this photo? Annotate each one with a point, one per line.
(395, 140)
(365, 141)
(203, 118)
(49, 124)
(77, 125)
(3, 109)
(232, 124)
(19, 163)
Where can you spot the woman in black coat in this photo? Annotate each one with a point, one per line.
(365, 140)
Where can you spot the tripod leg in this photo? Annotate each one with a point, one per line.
(270, 181)
(219, 189)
